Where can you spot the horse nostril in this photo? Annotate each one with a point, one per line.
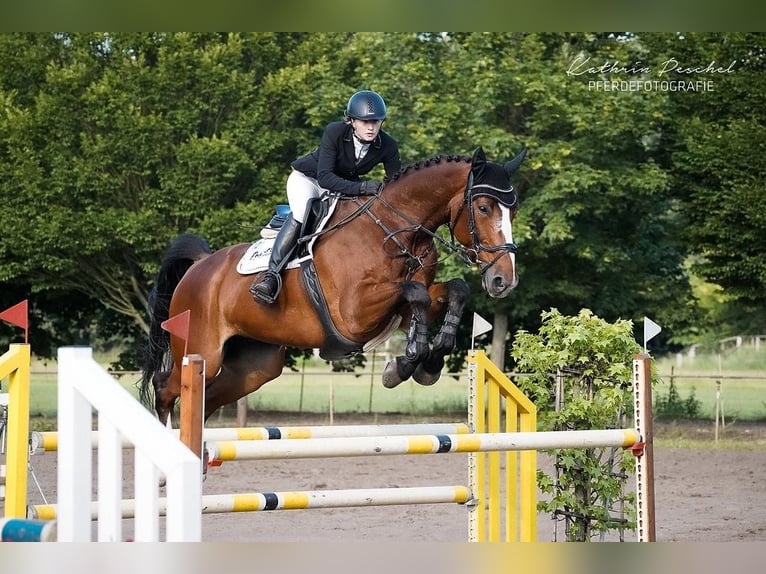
(498, 283)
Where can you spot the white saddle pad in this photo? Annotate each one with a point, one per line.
(256, 258)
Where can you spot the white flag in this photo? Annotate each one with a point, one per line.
(480, 325)
(651, 330)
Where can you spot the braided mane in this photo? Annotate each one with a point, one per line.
(436, 159)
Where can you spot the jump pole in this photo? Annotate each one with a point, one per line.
(47, 441)
(297, 500)
(23, 530)
(420, 444)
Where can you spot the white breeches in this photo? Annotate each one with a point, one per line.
(300, 189)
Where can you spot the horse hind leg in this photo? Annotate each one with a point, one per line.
(164, 396)
(416, 349)
(247, 365)
(445, 341)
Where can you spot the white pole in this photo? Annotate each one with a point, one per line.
(331, 404)
(473, 471)
(419, 444)
(47, 441)
(642, 400)
(109, 481)
(298, 500)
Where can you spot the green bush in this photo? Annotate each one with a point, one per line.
(593, 360)
(673, 406)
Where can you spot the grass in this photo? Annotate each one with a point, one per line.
(314, 390)
(741, 392)
(734, 381)
(349, 393)
(736, 443)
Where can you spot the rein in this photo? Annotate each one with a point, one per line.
(363, 208)
(414, 261)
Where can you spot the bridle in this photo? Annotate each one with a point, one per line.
(477, 245)
(469, 256)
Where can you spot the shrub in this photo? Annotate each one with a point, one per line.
(593, 359)
(672, 406)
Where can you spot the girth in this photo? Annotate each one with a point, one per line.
(335, 346)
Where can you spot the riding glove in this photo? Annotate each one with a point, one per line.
(370, 187)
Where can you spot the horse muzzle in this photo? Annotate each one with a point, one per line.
(499, 285)
(499, 275)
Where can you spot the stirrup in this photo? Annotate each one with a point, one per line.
(259, 295)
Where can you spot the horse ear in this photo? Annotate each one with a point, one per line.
(514, 164)
(478, 161)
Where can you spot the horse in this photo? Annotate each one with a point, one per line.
(371, 271)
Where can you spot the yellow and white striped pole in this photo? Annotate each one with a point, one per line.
(419, 444)
(298, 500)
(47, 441)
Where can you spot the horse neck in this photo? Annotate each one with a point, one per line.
(430, 194)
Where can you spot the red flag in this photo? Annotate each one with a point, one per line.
(179, 326)
(18, 315)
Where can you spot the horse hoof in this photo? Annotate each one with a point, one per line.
(425, 378)
(391, 375)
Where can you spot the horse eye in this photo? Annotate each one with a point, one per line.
(484, 209)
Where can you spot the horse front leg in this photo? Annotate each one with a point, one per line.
(416, 349)
(455, 293)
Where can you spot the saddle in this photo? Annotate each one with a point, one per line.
(256, 259)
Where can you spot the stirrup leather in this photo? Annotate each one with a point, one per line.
(260, 295)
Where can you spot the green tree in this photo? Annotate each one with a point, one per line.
(715, 148)
(111, 144)
(115, 143)
(581, 378)
(597, 225)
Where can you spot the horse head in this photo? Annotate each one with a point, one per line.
(483, 223)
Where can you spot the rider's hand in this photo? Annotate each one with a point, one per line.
(370, 187)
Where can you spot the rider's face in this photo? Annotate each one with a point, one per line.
(366, 130)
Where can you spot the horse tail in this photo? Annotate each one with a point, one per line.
(183, 252)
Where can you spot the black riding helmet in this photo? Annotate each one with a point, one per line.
(366, 105)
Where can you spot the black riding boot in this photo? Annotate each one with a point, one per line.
(266, 290)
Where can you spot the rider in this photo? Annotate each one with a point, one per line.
(348, 149)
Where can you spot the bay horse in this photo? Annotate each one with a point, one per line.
(372, 271)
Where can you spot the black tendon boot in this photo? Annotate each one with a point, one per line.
(267, 289)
